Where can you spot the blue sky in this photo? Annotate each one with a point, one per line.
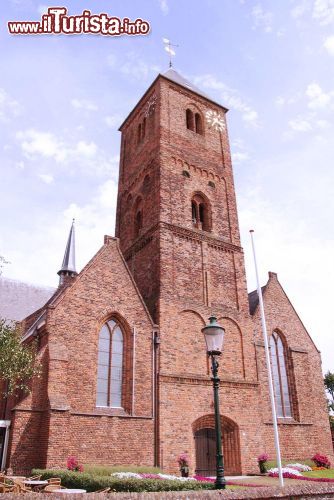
(62, 99)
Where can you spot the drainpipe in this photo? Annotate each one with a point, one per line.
(155, 394)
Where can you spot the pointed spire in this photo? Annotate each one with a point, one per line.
(68, 267)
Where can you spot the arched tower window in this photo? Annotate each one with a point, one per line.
(143, 129)
(190, 120)
(280, 377)
(139, 133)
(198, 124)
(110, 365)
(138, 222)
(138, 216)
(201, 212)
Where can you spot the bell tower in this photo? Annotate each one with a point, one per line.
(178, 228)
(176, 213)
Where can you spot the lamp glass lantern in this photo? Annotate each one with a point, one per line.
(214, 336)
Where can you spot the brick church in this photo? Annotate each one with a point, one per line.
(125, 376)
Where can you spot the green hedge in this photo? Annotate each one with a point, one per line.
(106, 470)
(92, 483)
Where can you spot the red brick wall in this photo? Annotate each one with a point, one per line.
(72, 422)
(308, 432)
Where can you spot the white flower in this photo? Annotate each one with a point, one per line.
(274, 470)
(175, 478)
(300, 467)
(126, 475)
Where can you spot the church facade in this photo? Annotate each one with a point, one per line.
(125, 376)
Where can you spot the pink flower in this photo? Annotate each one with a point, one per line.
(73, 464)
(263, 457)
(183, 460)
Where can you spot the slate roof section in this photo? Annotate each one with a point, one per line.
(68, 264)
(175, 77)
(253, 300)
(18, 300)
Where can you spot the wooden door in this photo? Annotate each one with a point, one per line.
(205, 443)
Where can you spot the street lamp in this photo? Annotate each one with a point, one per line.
(214, 337)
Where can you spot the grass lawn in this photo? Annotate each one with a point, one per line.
(272, 463)
(320, 473)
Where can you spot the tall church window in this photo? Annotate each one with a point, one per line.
(201, 212)
(143, 129)
(110, 366)
(190, 120)
(198, 124)
(139, 133)
(280, 376)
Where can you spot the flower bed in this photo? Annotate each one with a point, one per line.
(293, 474)
(126, 481)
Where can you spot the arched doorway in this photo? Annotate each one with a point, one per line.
(205, 446)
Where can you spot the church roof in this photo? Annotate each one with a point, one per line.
(18, 300)
(175, 77)
(253, 300)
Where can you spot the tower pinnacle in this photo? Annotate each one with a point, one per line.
(68, 269)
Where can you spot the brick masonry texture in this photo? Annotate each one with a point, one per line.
(183, 274)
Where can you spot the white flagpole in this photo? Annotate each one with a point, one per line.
(270, 380)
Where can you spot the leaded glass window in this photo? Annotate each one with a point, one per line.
(110, 366)
(280, 377)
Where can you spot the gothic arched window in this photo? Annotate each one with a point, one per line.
(201, 212)
(280, 376)
(110, 365)
(190, 120)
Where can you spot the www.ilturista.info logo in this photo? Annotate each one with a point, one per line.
(57, 22)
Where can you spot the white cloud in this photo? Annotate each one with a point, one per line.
(329, 45)
(131, 65)
(88, 149)
(164, 6)
(47, 178)
(239, 157)
(34, 142)
(229, 97)
(84, 104)
(323, 11)
(262, 19)
(300, 125)
(8, 106)
(85, 154)
(93, 220)
(299, 10)
(112, 120)
(318, 99)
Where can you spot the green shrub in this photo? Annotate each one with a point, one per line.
(90, 483)
(106, 470)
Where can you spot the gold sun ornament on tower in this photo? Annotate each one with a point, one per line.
(215, 120)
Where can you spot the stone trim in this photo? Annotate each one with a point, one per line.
(196, 380)
(85, 414)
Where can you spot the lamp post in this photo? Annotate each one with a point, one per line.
(214, 337)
